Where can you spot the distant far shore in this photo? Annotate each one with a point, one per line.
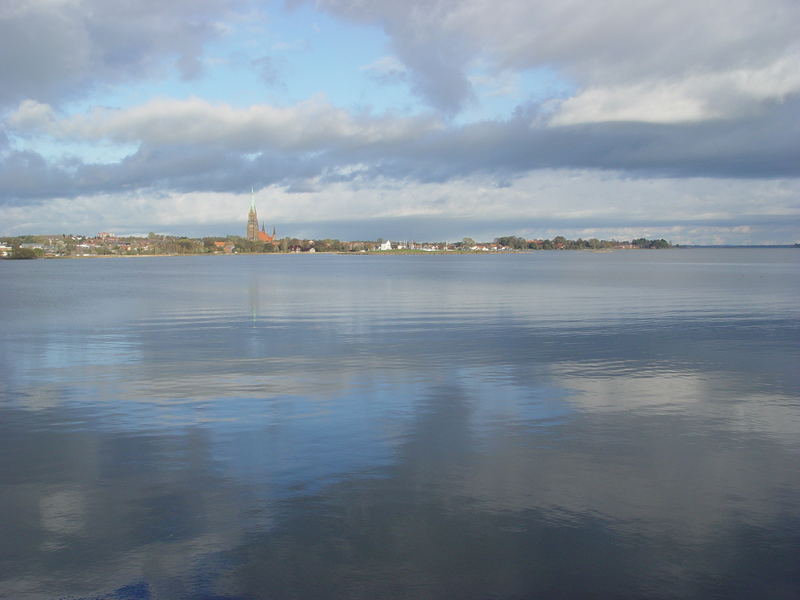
(412, 252)
(109, 246)
(737, 246)
(340, 253)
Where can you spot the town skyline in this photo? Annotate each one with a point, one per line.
(254, 242)
(434, 229)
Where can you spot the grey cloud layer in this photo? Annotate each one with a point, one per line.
(597, 44)
(748, 49)
(195, 146)
(53, 50)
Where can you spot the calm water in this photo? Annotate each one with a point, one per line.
(552, 425)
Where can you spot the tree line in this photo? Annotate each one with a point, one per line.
(561, 243)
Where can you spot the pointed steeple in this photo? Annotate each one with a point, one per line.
(252, 219)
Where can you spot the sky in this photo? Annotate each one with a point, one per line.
(416, 120)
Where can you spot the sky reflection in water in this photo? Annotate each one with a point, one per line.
(555, 424)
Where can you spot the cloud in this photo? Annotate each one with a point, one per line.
(51, 51)
(308, 126)
(628, 58)
(387, 69)
(699, 97)
(545, 203)
(744, 47)
(31, 115)
(500, 84)
(194, 145)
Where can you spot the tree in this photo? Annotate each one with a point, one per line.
(512, 241)
(185, 246)
(645, 243)
(23, 253)
(468, 242)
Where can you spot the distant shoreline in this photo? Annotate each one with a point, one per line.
(426, 252)
(725, 246)
(368, 253)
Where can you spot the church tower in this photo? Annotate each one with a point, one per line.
(254, 234)
(252, 220)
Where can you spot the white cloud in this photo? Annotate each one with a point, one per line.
(631, 56)
(308, 125)
(385, 66)
(696, 97)
(32, 116)
(542, 204)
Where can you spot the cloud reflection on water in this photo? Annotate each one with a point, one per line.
(375, 433)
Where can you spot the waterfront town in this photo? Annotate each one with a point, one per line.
(108, 244)
(258, 241)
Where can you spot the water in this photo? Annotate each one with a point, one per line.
(557, 424)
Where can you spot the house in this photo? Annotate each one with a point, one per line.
(226, 247)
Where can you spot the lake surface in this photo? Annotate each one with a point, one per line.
(545, 425)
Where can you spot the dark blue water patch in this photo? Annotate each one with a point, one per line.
(142, 591)
(134, 591)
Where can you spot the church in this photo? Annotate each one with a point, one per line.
(254, 234)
